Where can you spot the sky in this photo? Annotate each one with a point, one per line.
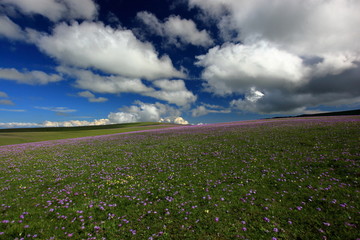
(93, 62)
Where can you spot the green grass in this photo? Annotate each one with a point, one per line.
(26, 135)
(284, 179)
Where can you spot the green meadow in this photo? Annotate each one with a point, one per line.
(266, 179)
(21, 135)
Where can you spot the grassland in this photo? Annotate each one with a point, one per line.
(25, 135)
(273, 179)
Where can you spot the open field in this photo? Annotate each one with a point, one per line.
(268, 179)
(25, 135)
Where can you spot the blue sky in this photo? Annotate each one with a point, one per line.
(90, 62)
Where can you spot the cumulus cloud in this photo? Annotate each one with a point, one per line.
(173, 91)
(176, 120)
(139, 112)
(206, 109)
(180, 120)
(237, 67)
(298, 54)
(334, 64)
(335, 90)
(70, 123)
(176, 29)
(74, 123)
(55, 10)
(28, 77)
(281, 81)
(199, 111)
(86, 79)
(249, 102)
(304, 27)
(11, 30)
(18, 125)
(113, 51)
(143, 112)
(91, 97)
(285, 103)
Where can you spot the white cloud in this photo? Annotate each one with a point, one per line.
(176, 30)
(176, 120)
(86, 79)
(58, 109)
(140, 112)
(91, 97)
(18, 125)
(70, 123)
(206, 109)
(298, 54)
(249, 102)
(304, 27)
(173, 91)
(74, 123)
(254, 95)
(56, 10)
(187, 32)
(237, 67)
(113, 51)
(10, 30)
(28, 77)
(276, 81)
(200, 111)
(143, 112)
(298, 101)
(122, 117)
(334, 64)
(180, 120)
(137, 113)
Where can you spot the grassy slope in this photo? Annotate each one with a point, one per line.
(25, 135)
(293, 179)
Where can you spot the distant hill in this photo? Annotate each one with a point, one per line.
(341, 113)
(327, 114)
